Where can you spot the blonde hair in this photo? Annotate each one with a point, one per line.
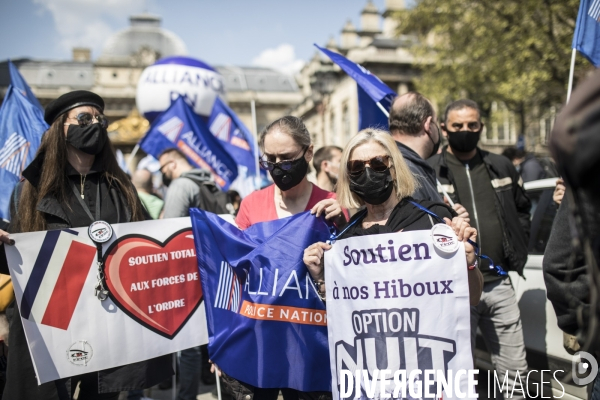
(404, 182)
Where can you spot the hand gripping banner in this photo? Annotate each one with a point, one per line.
(398, 317)
(266, 323)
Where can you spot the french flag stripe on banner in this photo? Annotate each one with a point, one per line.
(68, 286)
(37, 273)
(57, 279)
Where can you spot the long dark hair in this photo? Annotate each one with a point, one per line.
(53, 180)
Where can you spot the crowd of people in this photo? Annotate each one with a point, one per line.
(380, 182)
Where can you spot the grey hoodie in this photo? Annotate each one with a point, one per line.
(184, 193)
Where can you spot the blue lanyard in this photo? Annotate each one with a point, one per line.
(333, 237)
(499, 270)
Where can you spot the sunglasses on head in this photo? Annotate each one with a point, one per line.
(285, 165)
(377, 164)
(85, 119)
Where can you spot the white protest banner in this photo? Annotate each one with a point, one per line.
(154, 306)
(398, 318)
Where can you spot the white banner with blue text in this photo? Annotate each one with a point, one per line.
(398, 318)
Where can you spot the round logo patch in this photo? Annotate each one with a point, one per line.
(444, 238)
(100, 231)
(80, 353)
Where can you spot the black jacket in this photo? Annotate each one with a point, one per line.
(21, 382)
(512, 204)
(424, 175)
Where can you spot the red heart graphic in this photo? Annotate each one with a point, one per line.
(156, 284)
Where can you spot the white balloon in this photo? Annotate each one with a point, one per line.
(172, 77)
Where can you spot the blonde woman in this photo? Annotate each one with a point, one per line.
(373, 174)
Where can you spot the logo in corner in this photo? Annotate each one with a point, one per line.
(80, 353)
(100, 231)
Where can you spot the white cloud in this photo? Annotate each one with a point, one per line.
(88, 23)
(282, 58)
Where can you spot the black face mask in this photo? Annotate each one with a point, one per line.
(372, 187)
(463, 141)
(436, 146)
(166, 180)
(285, 180)
(89, 139)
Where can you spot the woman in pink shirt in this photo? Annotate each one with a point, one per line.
(287, 151)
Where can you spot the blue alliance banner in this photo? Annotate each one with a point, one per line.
(587, 31)
(21, 128)
(266, 324)
(233, 134)
(180, 127)
(237, 140)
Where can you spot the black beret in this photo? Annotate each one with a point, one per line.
(69, 101)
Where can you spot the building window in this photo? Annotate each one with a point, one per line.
(546, 124)
(502, 128)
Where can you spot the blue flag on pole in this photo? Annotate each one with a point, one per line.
(180, 127)
(266, 323)
(369, 114)
(373, 91)
(587, 31)
(21, 128)
(19, 83)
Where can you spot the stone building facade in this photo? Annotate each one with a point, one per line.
(114, 75)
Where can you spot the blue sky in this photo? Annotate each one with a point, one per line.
(225, 32)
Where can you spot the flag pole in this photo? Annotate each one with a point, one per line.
(254, 126)
(132, 154)
(571, 72)
(218, 382)
(383, 110)
(439, 185)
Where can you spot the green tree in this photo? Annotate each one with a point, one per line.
(514, 51)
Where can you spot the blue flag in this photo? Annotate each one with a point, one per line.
(21, 128)
(233, 134)
(587, 31)
(266, 323)
(239, 143)
(373, 91)
(180, 127)
(19, 83)
(369, 114)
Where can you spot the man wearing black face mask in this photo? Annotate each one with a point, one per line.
(414, 128)
(490, 187)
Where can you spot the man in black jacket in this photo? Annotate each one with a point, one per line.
(413, 126)
(490, 188)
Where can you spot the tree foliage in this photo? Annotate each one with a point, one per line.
(514, 51)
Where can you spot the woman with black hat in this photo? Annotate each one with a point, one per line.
(73, 181)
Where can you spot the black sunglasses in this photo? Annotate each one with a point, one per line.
(86, 119)
(284, 164)
(377, 164)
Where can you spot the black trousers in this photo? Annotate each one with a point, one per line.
(243, 391)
